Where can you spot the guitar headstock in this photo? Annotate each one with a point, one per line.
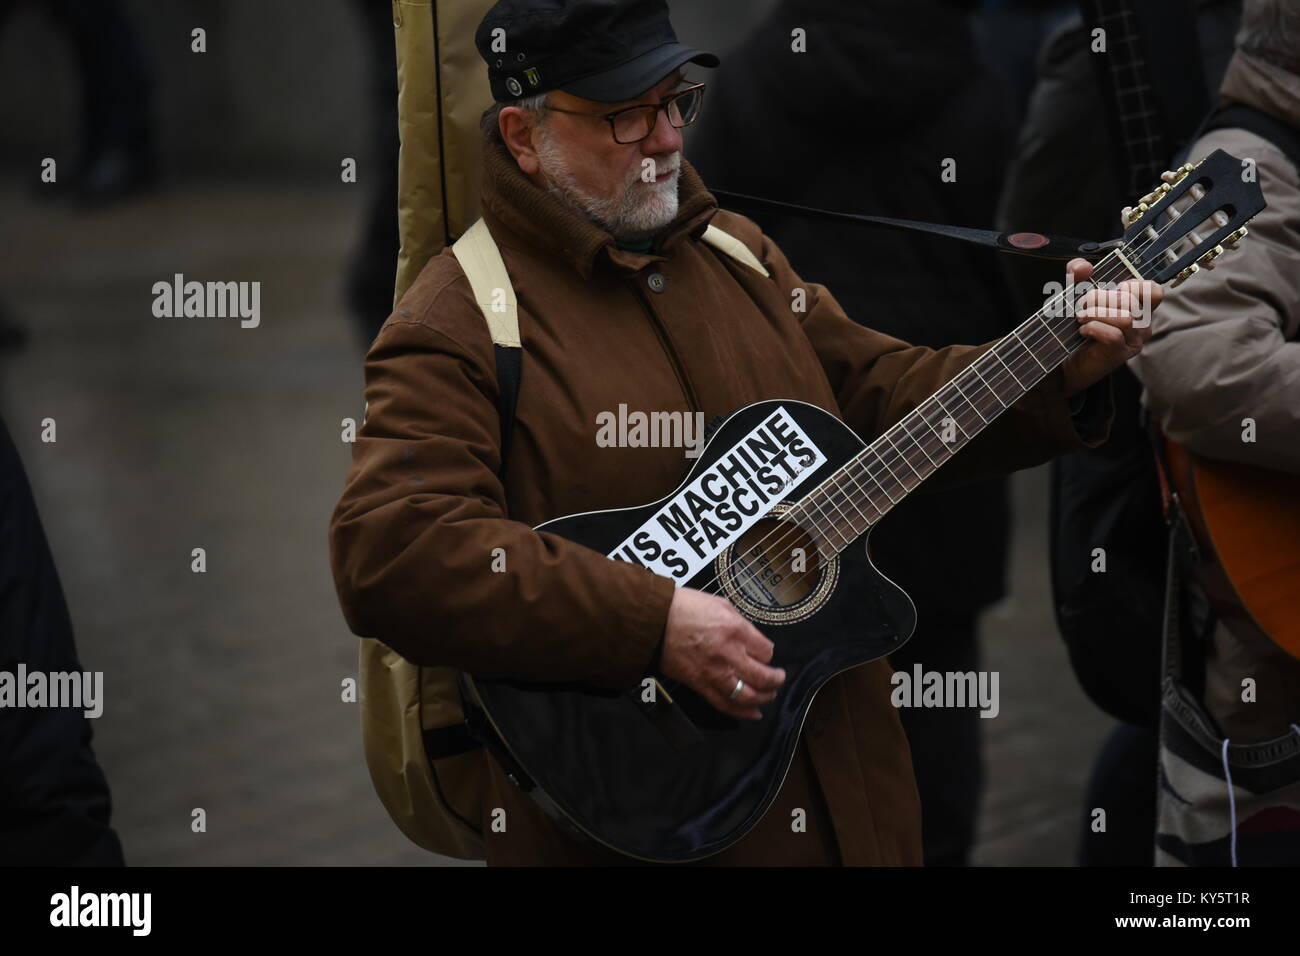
(1187, 222)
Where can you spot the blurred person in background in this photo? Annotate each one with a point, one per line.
(1224, 349)
(369, 284)
(909, 75)
(1068, 184)
(117, 150)
(54, 799)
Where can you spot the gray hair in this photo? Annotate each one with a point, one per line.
(1270, 30)
(490, 124)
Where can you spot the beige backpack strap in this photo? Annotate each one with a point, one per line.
(729, 244)
(479, 256)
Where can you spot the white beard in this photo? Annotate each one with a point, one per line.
(637, 212)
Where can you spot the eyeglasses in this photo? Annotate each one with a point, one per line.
(635, 123)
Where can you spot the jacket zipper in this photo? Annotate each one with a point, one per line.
(688, 391)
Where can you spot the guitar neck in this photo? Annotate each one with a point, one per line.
(846, 505)
(1133, 110)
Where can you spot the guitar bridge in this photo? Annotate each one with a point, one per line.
(667, 717)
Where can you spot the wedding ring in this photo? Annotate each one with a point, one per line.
(740, 685)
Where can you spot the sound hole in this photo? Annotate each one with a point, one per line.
(775, 572)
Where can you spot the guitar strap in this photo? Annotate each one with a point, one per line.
(1035, 244)
(479, 257)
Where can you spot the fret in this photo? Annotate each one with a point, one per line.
(840, 526)
(920, 477)
(998, 379)
(994, 351)
(828, 533)
(975, 368)
(933, 406)
(1026, 375)
(816, 500)
(888, 475)
(883, 489)
(1141, 85)
(837, 529)
(1120, 14)
(852, 500)
(917, 441)
(951, 417)
(1016, 333)
(938, 437)
(834, 482)
(891, 471)
(861, 494)
(957, 385)
(1050, 347)
(1039, 316)
(855, 469)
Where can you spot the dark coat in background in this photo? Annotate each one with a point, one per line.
(863, 122)
(54, 800)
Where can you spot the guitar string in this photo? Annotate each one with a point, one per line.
(792, 522)
(881, 446)
(1023, 363)
(919, 413)
(1042, 332)
(817, 502)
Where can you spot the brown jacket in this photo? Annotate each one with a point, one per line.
(423, 510)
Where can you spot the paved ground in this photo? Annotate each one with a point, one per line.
(223, 688)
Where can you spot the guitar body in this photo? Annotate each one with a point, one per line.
(677, 780)
(1247, 524)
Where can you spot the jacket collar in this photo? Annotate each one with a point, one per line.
(510, 199)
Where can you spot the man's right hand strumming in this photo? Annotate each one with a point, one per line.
(711, 648)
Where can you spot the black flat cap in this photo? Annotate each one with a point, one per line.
(606, 50)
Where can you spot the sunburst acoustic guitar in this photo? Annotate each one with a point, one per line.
(1246, 523)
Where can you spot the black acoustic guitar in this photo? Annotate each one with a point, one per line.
(774, 516)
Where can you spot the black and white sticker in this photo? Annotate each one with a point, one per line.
(724, 500)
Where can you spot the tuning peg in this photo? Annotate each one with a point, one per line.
(1182, 172)
(1185, 274)
(1236, 237)
(1207, 260)
(1153, 197)
(1134, 214)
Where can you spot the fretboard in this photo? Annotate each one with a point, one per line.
(1133, 109)
(846, 505)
